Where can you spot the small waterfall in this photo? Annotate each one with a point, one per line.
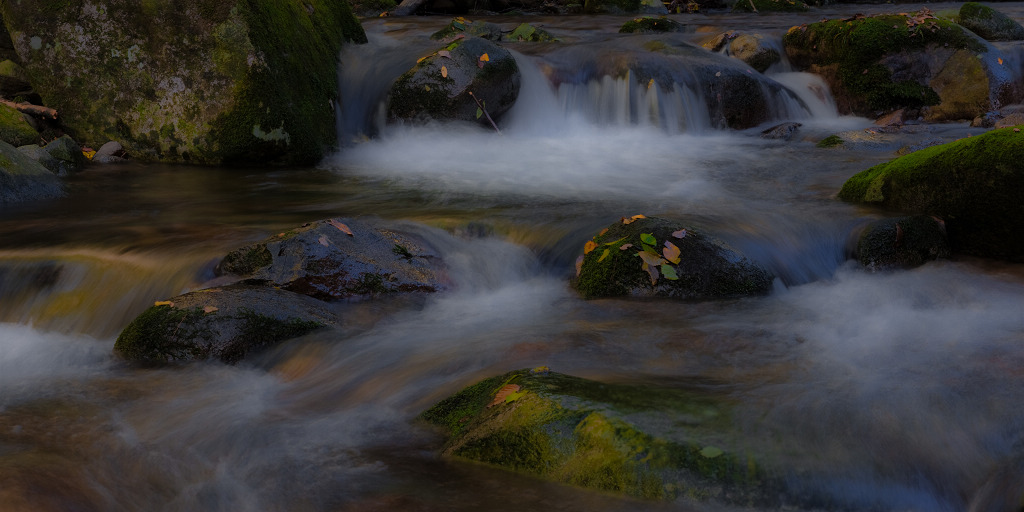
(812, 91)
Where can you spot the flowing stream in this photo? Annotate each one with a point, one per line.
(893, 391)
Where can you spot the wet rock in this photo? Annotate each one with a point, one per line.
(755, 50)
(784, 131)
(1014, 119)
(442, 86)
(643, 441)
(225, 323)
(989, 23)
(976, 185)
(484, 29)
(769, 6)
(15, 129)
(111, 152)
(322, 260)
(525, 32)
(199, 81)
(904, 242)
(652, 257)
(14, 83)
(719, 41)
(23, 179)
(62, 156)
(648, 24)
(882, 63)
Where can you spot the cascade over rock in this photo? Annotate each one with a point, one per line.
(200, 81)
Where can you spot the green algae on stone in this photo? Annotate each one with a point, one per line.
(14, 129)
(830, 142)
(989, 23)
(611, 437)
(530, 33)
(976, 185)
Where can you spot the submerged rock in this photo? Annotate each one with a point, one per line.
(904, 242)
(192, 81)
(447, 84)
(648, 24)
(784, 131)
(224, 323)
(882, 63)
(652, 257)
(460, 25)
(976, 185)
(341, 258)
(989, 23)
(641, 441)
(23, 179)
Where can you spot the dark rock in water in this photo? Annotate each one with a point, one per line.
(110, 152)
(719, 41)
(652, 257)
(912, 60)
(62, 156)
(989, 23)
(24, 179)
(322, 260)
(642, 441)
(648, 24)
(754, 50)
(530, 33)
(225, 323)
(904, 242)
(484, 29)
(784, 131)
(442, 86)
(976, 185)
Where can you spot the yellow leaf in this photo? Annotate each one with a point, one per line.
(650, 259)
(89, 154)
(604, 255)
(209, 309)
(589, 246)
(485, 58)
(444, 72)
(163, 303)
(630, 220)
(671, 252)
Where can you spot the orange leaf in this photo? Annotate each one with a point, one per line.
(505, 391)
(444, 72)
(1000, 61)
(342, 227)
(485, 58)
(671, 252)
(589, 246)
(603, 231)
(632, 219)
(163, 303)
(209, 309)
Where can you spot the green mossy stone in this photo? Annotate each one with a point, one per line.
(976, 185)
(595, 435)
(14, 129)
(989, 23)
(830, 142)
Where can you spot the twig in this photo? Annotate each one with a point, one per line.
(28, 108)
(752, 5)
(484, 110)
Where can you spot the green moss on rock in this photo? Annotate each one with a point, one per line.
(989, 23)
(976, 185)
(830, 142)
(14, 129)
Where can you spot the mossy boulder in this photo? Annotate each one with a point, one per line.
(975, 185)
(14, 84)
(882, 63)
(23, 179)
(755, 50)
(447, 83)
(989, 23)
(650, 24)
(62, 156)
(649, 442)
(14, 128)
(225, 323)
(652, 257)
(341, 258)
(460, 25)
(769, 6)
(904, 242)
(525, 32)
(202, 81)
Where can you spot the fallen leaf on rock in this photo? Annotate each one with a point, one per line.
(671, 252)
(163, 303)
(625, 246)
(589, 246)
(679, 234)
(210, 309)
(652, 271)
(711, 452)
(444, 72)
(604, 255)
(444, 53)
(505, 391)
(579, 265)
(603, 231)
(648, 239)
(669, 272)
(650, 259)
(324, 241)
(630, 220)
(342, 227)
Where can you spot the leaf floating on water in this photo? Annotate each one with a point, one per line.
(669, 272)
(625, 246)
(711, 452)
(504, 392)
(604, 255)
(163, 303)
(679, 234)
(589, 246)
(210, 309)
(324, 241)
(630, 220)
(444, 72)
(671, 252)
(648, 239)
(579, 265)
(343, 228)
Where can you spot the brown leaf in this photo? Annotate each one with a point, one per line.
(505, 391)
(324, 241)
(589, 246)
(342, 227)
(603, 231)
(210, 309)
(652, 271)
(671, 252)
(650, 259)
(444, 53)
(625, 246)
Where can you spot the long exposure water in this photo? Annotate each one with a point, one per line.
(887, 391)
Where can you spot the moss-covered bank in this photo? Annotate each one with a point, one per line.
(202, 81)
(976, 185)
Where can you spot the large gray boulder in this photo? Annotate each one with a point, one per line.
(455, 80)
(24, 179)
(201, 81)
(341, 258)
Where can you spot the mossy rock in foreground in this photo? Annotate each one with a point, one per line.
(652, 257)
(976, 185)
(642, 441)
(904, 242)
(225, 323)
